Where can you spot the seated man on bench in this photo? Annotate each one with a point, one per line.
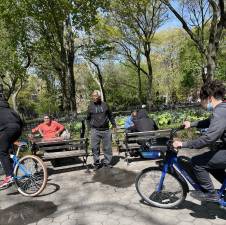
(49, 129)
(143, 123)
(129, 124)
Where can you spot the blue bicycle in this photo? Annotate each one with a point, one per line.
(30, 173)
(166, 186)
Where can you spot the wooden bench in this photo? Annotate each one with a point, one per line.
(132, 141)
(56, 149)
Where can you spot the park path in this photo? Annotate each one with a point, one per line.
(106, 197)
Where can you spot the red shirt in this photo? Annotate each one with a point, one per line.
(49, 130)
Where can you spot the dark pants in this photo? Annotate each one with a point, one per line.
(7, 137)
(96, 137)
(213, 162)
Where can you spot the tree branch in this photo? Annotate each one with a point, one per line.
(198, 43)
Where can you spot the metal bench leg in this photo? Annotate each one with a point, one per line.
(126, 158)
(85, 163)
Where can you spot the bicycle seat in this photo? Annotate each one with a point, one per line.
(20, 143)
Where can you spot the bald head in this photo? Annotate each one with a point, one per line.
(96, 96)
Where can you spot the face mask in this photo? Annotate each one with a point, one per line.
(209, 106)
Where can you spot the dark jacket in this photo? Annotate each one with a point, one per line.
(216, 129)
(143, 123)
(8, 117)
(99, 115)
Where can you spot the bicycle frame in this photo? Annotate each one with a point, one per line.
(15, 158)
(172, 162)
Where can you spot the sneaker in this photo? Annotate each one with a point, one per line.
(6, 182)
(210, 196)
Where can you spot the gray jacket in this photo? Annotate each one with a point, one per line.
(216, 129)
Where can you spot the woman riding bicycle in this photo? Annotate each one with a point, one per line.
(10, 130)
(214, 162)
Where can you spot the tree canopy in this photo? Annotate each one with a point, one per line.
(55, 52)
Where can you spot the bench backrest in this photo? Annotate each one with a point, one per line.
(147, 135)
(81, 143)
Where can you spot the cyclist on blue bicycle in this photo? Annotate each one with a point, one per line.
(214, 162)
(10, 131)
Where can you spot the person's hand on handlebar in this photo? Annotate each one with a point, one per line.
(187, 124)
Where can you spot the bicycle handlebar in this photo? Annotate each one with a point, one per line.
(175, 130)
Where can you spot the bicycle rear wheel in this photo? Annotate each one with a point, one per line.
(30, 175)
(172, 193)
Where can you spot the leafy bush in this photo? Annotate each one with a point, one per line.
(164, 119)
(171, 118)
(74, 128)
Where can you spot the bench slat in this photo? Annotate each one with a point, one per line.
(130, 146)
(150, 133)
(133, 145)
(60, 142)
(59, 147)
(135, 139)
(64, 154)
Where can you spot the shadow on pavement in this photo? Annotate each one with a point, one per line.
(49, 189)
(66, 161)
(115, 177)
(26, 212)
(65, 165)
(205, 210)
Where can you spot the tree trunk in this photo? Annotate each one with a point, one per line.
(63, 85)
(70, 51)
(94, 76)
(101, 83)
(65, 90)
(150, 74)
(216, 30)
(14, 97)
(100, 78)
(139, 78)
(217, 24)
(211, 66)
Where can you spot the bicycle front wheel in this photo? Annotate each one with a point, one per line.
(173, 191)
(30, 175)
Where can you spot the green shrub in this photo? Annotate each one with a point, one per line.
(171, 118)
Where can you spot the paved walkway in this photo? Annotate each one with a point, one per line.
(107, 197)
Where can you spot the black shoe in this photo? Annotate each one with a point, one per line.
(107, 165)
(97, 166)
(210, 196)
